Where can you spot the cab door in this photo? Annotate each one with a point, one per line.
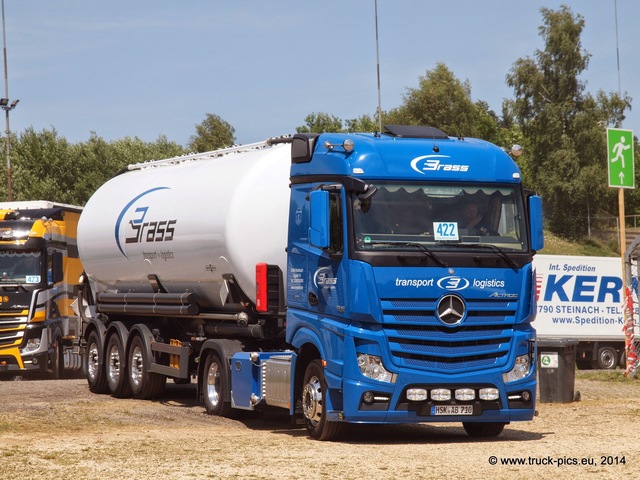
(327, 272)
(317, 277)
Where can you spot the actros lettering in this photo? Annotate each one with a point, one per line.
(157, 231)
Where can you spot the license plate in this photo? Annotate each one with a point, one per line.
(452, 410)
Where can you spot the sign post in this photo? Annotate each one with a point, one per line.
(621, 172)
(621, 176)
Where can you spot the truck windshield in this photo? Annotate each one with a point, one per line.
(439, 217)
(20, 267)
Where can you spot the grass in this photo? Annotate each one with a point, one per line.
(590, 247)
(605, 375)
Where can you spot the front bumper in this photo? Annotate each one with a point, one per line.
(21, 359)
(377, 402)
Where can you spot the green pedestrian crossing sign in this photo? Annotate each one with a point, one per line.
(620, 158)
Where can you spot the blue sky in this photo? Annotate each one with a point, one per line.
(144, 68)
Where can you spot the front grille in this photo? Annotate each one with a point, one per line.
(418, 339)
(11, 329)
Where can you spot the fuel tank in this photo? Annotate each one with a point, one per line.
(187, 223)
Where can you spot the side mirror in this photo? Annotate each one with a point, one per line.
(57, 270)
(302, 147)
(319, 229)
(535, 223)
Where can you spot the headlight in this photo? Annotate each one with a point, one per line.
(521, 369)
(33, 344)
(372, 367)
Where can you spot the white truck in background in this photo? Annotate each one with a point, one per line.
(581, 298)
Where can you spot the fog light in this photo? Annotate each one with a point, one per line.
(463, 394)
(416, 394)
(526, 396)
(440, 394)
(368, 397)
(489, 394)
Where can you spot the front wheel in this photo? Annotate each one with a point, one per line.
(483, 429)
(314, 393)
(57, 362)
(215, 384)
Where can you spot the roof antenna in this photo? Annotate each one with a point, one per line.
(378, 68)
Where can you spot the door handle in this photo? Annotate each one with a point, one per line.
(313, 299)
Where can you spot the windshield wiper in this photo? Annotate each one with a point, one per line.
(487, 246)
(417, 245)
(13, 284)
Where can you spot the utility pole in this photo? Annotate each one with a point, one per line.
(378, 68)
(7, 107)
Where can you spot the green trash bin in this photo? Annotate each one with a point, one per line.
(557, 369)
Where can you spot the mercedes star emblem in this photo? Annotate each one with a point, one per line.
(451, 309)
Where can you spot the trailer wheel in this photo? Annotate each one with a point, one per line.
(483, 429)
(215, 384)
(145, 385)
(116, 367)
(94, 369)
(607, 358)
(314, 391)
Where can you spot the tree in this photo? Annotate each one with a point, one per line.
(48, 167)
(562, 125)
(364, 123)
(96, 161)
(487, 125)
(320, 123)
(213, 133)
(43, 168)
(325, 122)
(441, 101)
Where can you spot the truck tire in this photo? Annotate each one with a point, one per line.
(57, 363)
(623, 359)
(215, 383)
(607, 358)
(474, 429)
(314, 390)
(115, 367)
(145, 385)
(93, 367)
(584, 364)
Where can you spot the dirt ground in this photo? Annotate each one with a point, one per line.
(57, 429)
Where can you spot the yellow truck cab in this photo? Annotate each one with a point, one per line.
(39, 267)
